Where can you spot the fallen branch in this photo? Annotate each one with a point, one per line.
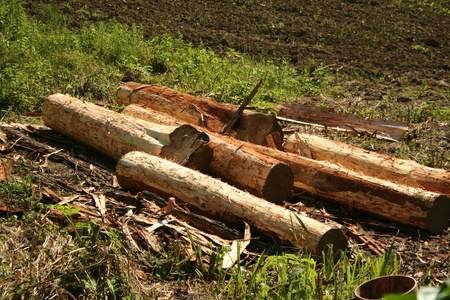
(241, 108)
(138, 171)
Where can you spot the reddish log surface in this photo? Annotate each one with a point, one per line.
(252, 171)
(399, 171)
(251, 126)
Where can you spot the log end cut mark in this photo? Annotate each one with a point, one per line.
(333, 240)
(189, 147)
(279, 183)
(439, 215)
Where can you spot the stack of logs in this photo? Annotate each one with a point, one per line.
(170, 143)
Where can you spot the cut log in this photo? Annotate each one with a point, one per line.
(252, 171)
(115, 134)
(399, 171)
(406, 205)
(137, 171)
(252, 126)
(321, 116)
(374, 196)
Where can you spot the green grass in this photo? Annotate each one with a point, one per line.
(40, 59)
(70, 258)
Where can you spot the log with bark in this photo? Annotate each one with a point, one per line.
(251, 126)
(139, 171)
(115, 134)
(329, 118)
(399, 171)
(374, 196)
(249, 170)
(406, 205)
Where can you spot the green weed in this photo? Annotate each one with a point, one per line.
(40, 59)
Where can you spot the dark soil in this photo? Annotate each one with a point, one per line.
(391, 51)
(389, 58)
(369, 38)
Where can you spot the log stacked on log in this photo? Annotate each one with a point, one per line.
(115, 134)
(251, 126)
(388, 200)
(137, 171)
(251, 167)
(399, 171)
(249, 170)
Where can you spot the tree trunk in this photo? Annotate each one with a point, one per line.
(252, 126)
(115, 134)
(398, 203)
(399, 171)
(258, 174)
(137, 171)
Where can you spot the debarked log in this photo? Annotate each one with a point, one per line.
(137, 171)
(374, 196)
(249, 170)
(115, 134)
(399, 171)
(251, 126)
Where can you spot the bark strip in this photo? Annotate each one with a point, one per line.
(331, 119)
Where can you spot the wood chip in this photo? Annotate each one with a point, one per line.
(237, 247)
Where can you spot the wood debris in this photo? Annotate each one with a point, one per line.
(329, 118)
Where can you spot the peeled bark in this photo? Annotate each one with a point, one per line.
(258, 174)
(115, 134)
(331, 119)
(399, 171)
(252, 126)
(137, 171)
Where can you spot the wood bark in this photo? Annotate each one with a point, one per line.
(406, 205)
(251, 126)
(115, 134)
(258, 174)
(312, 115)
(374, 196)
(399, 171)
(137, 171)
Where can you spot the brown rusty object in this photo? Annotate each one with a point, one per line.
(391, 284)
